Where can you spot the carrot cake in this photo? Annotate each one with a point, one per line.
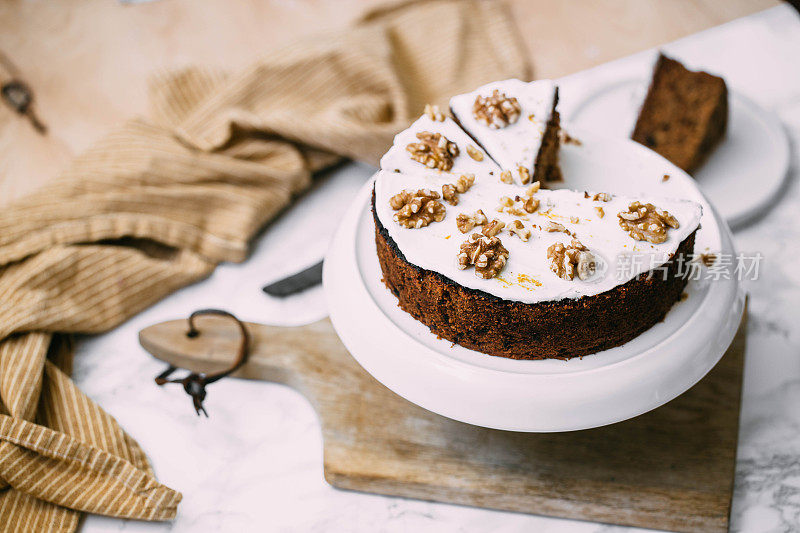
(510, 269)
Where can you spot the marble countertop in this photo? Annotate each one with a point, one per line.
(256, 463)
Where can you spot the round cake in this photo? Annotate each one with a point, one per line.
(475, 248)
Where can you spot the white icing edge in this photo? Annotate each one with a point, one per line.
(436, 246)
(517, 143)
(398, 159)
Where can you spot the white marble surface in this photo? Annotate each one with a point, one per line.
(256, 464)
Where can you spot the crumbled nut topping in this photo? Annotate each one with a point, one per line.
(530, 204)
(575, 220)
(517, 206)
(601, 197)
(474, 153)
(450, 191)
(505, 177)
(524, 174)
(417, 209)
(645, 222)
(600, 212)
(566, 261)
(553, 226)
(450, 194)
(566, 138)
(496, 111)
(487, 254)
(518, 228)
(434, 113)
(464, 182)
(493, 228)
(434, 150)
(520, 206)
(466, 222)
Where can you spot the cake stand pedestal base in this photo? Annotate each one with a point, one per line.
(671, 468)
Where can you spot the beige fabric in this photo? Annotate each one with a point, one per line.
(159, 202)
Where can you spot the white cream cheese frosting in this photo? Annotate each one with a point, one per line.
(397, 159)
(526, 276)
(518, 143)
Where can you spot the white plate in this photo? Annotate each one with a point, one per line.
(741, 176)
(549, 395)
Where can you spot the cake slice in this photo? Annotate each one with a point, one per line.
(436, 144)
(517, 124)
(684, 114)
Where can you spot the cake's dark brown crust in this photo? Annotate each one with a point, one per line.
(546, 167)
(562, 329)
(684, 115)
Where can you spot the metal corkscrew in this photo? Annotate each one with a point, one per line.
(17, 94)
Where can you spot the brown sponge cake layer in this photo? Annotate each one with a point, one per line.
(684, 115)
(559, 329)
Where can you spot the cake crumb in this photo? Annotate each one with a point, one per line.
(568, 139)
(708, 259)
(684, 296)
(665, 177)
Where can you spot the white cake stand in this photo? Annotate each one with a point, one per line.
(547, 395)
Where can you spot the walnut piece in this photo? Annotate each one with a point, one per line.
(434, 150)
(474, 153)
(601, 197)
(645, 222)
(600, 212)
(518, 228)
(434, 113)
(530, 204)
(493, 228)
(496, 111)
(524, 174)
(417, 209)
(464, 182)
(487, 254)
(450, 194)
(566, 261)
(505, 177)
(553, 226)
(518, 206)
(450, 190)
(466, 222)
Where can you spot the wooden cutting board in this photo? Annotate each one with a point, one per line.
(671, 468)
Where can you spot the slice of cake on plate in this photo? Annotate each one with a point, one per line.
(684, 115)
(517, 124)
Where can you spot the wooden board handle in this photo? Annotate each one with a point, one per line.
(289, 355)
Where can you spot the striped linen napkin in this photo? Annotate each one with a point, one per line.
(159, 202)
